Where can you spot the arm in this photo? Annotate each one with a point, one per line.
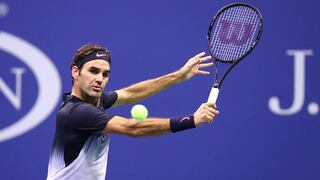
(157, 126)
(133, 128)
(145, 89)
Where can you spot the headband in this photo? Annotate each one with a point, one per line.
(92, 56)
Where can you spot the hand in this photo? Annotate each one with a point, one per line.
(205, 114)
(194, 65)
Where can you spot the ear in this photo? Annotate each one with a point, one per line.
(75, 72)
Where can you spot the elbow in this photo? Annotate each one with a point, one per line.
(130, 98)
(134, 98)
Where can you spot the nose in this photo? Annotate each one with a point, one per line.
(99, 78)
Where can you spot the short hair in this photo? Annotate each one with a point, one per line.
(88, 49)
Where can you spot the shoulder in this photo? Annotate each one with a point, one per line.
(108, 99)
(85, 117)
(78, 110)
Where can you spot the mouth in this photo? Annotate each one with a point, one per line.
(97, 88)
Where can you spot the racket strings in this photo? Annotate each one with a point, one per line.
(234, 33)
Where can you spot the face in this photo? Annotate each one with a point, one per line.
(91, 80)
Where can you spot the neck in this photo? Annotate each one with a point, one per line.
(84, 97)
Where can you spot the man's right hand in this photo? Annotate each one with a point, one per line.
(205, 114)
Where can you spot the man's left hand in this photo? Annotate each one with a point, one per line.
(194, 66)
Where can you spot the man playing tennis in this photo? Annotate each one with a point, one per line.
(81, 141)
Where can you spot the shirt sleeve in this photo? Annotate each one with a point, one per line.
(108, 99)
(89, 119)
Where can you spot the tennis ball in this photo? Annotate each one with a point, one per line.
(139, 112)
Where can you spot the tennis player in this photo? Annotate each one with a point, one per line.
(81, 141)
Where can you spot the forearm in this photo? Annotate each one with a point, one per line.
(150, 127)
(145, 89)
(133, 128)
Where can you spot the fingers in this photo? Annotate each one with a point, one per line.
(200, 56)
(194, 65)
(206, 58)
(205, 114)
(197, 71)
(209, 111)
(211, 104)
(205, 65)
(194, 62)
(208, 116)
(212, 110)
(202, 72)
(198, 59)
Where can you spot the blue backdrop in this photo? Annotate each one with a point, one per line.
(268, 127)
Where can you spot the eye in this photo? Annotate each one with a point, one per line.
(105, 74)
(93, 71)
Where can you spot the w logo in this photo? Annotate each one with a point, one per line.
(235, 33)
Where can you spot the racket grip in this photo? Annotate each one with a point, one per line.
(213, 96)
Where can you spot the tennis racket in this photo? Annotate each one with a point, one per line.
(233, 33)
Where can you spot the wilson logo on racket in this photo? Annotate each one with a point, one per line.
(235, 33)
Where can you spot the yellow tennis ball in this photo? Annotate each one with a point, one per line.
(139, 112)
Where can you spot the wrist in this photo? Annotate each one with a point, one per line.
(174, 77)
(182, 123)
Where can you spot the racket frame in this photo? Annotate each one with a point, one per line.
(217, 84)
